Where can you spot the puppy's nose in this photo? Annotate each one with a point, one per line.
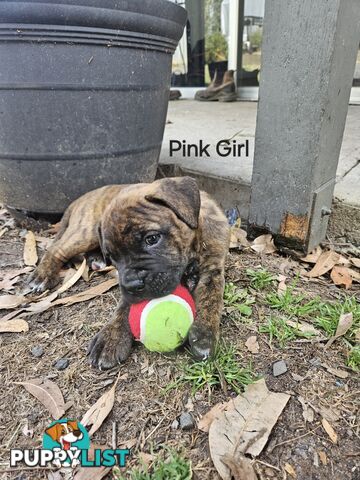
(133, 283)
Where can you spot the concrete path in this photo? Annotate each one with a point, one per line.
(211, 122)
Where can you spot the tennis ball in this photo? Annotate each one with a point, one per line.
(162, 324)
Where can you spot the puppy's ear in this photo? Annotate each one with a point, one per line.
(73, 424)
(54, 432)
(102, 248)
(181, 195)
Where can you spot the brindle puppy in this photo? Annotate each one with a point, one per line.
(157, 235)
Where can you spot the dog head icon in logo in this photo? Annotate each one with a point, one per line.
(67, 438)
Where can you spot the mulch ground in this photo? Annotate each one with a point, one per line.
(143, 416)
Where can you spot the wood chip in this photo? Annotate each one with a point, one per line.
(337, 372)
(30, 254)
(290, 470)
(323, 458)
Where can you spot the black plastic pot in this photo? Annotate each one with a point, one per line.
(84, 88)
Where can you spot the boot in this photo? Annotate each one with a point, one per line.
(222, 92)
(174, 95)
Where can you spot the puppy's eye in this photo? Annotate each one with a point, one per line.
(152, 239)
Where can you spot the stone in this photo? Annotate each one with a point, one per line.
(61, 364)
(186, 421)
(175, 425)
(279, 368)
(37, 351)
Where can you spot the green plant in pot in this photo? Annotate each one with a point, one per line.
(216, 52)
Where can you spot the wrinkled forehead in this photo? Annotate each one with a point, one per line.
(130, 214)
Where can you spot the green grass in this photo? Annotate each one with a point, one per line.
(353, 360)
(260, 279)
(238, 299)
(293, 304)
(278, 329)
(223, 369)
(171, 466)
(328, 314)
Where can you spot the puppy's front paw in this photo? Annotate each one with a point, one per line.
(40, 280)
(201, 342)
(111, 346)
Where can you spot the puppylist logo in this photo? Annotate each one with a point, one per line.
(66, 443)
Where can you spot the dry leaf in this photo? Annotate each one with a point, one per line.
(11, 277)
(336, 371)
(341, 276)
(73, 279)
(331, 415)
(96, 415)
(345, 262)
(8, 284)
(312, 257)
(264, 244)
(304, 327)
(252, 344)
(42, 305)
(30, 254)
(207, 419)
(146, 458)
(329, 430)
(88, 294)
(8, 302)
(323, 458)
(244, 427)
(345, 322)
(48, 393)
(241, 468)
(282, 286)
(238, 238)
(14, 326)
(354, 275)
(92, 473)
(308, 412)
(48, 302)
(355, 261)
(326, 262)
(290, 470)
